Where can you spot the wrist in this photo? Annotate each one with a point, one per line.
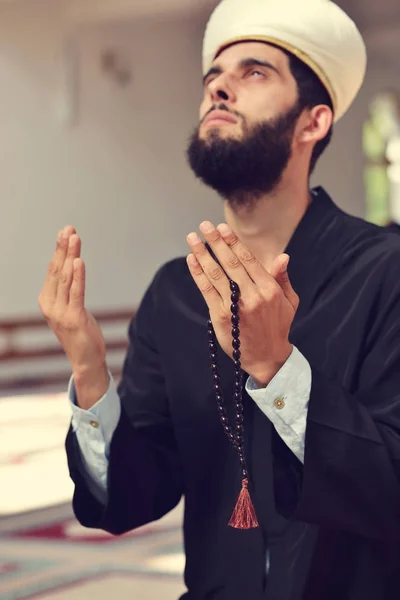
(264, 374)
(90, 385)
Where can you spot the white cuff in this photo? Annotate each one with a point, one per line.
(285, 401)
(288, 393)
(101, 419)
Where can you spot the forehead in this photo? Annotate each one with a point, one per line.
(234, 53)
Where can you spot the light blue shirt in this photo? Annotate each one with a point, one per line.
(284, 402)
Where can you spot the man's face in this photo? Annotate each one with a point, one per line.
(247, 119)
(257, 80)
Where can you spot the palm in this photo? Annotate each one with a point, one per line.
(62, 302)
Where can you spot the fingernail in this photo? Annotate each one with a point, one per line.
(207, 227)
(193, 238)
(224, 229)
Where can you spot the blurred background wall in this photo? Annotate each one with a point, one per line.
(103, 149)
(81, 146)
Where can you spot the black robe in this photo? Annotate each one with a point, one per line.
(332, 525)
(393, 227)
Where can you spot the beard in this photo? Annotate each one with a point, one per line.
(243, 170)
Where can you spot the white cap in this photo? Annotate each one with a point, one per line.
(318, 32)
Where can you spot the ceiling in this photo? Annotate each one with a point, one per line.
(367, 13)
(378, 21)
(89, 10)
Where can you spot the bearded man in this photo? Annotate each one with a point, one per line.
(305, 356)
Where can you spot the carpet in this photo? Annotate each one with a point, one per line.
(44, 551)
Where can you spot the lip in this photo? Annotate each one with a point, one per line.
(219, 116)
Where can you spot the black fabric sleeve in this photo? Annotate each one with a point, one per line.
(350, 479)
(144, 474)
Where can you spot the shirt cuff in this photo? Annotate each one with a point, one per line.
(102, 418)
(287, 395)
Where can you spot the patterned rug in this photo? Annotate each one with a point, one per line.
(44, 552)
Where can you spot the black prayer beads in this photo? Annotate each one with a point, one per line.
(235, 435)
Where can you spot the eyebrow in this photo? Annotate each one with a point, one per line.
(245, 63)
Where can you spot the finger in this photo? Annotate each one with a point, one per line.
(66, 275)
(50, 286)
(77, 290)
(278, 266)
(213, 272)
(280, 273)
(230, 262)
(207, 289)
(249, 262)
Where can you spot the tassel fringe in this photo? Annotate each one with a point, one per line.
(244, 515)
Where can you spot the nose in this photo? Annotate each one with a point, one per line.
(221, 88)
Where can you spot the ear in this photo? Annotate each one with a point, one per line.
(315, 124)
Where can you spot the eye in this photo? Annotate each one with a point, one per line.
(255, 72)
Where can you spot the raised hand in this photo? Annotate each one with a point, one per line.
(62, 302)
(267, 302)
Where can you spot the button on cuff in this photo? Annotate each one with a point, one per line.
(279, 403)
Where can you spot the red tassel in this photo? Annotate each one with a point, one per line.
(244, 515)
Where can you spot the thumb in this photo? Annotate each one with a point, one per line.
(280, 274)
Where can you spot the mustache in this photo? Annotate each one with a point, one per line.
(222, 106)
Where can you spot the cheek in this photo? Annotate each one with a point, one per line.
(262, 101)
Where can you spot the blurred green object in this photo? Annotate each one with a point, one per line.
(382, 125)
(376, 195)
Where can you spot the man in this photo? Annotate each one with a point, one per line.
(320, 438)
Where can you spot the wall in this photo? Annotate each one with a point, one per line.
(341, 167)
(119, 175)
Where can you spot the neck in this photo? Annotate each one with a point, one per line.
(266, 224)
